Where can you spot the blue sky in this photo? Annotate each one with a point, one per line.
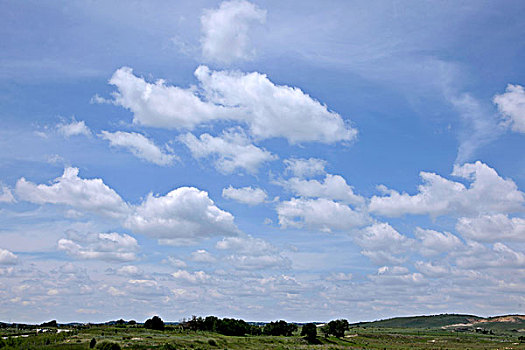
(261, 160)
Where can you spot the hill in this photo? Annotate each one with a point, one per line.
(452, 321)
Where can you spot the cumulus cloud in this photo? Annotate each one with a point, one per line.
(492, 228)
(140, 146)
(232, 150)
(303, 168)
(487, 193)
(511, 105)
(269, 110)
(6, 195)
(433, 242)
(274, 110)
(162, 106)
(333, 187)
(383, 244)
(100, 246)
(182, 216)
(319, 214)
(225, 31)
(73, 128)
(500, 256)
(7, 257)
(90, 195)
(245, 195)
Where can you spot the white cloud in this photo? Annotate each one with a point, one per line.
(274, 110)
(100, 246)
(487, 193)
(182, 216)
(90, 195)
(6, 196)
(130, 270)
(322, 214)
(247, 262)
(162, 106)
(202, 256)
(500, 256)
(303, 168)
(252, 253)
(432, 270)
(245, 195)
(394, 275)
(492, 228)
(233, 150)
(383, 244)
(333, 187)
(7, 257)
(246, 245)
(73, 128)
(140, 146)
(195, 277)
(433, 242)
(480, 126)
(269, 110)
(511, 105)
(225, 31)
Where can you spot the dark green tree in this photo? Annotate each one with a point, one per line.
(92, 343)
(154, 323)
(309, 331)
(336, 328)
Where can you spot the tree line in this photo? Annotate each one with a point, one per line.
(238, 327)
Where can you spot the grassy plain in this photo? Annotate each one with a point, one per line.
(136, 337)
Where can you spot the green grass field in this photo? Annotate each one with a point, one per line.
(136, 337)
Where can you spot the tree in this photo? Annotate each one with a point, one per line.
(309, 331)
(92, 343)
(336, 328)
(154, 323)
(279, 328)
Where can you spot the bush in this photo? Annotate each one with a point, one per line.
(212, 342)
(108, 346)
(92, 343)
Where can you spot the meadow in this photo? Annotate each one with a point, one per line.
(173, 337)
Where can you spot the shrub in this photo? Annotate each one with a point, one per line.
(92, 343)
(212, 342)
(108, 346)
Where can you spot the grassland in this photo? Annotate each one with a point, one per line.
(137, 337)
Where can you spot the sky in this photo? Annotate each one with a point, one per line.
(262, 160)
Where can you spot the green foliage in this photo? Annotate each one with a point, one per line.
(108, 346)
(226, 326)
(309, 331)
(154, 323)
(92, 343)
(280, 328)
(336, 328)
(212, 342)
